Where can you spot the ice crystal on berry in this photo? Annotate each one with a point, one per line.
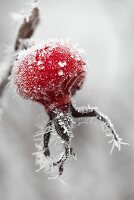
(62, 64)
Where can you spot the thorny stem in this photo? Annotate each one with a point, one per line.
(25, 31)
(62, 123)
(94, 112)
(63, 126)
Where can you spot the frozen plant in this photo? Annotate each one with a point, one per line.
(50, 73)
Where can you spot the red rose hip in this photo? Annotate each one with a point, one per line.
(49, 73)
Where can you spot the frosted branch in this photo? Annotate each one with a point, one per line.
(110, 130)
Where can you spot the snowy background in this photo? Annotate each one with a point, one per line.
(105, 30)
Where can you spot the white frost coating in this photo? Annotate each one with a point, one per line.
(41, 160)
(44, 163)
(60, 72)
(33, 4)
(110, 131)
(41, 67)
(116, 143)
(51, 44)
(39, 62)
(62, 64)
(108, 127)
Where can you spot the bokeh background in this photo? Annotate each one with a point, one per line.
(105, 30)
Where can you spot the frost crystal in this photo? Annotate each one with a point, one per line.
(62, 64)
(116, 143)
(60, 72)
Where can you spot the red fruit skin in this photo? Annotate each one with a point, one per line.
(50, 74)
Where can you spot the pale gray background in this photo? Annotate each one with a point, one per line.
(105, 30)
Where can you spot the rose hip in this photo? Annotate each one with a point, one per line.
(49, 74)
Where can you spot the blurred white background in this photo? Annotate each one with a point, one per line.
(105, 30)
